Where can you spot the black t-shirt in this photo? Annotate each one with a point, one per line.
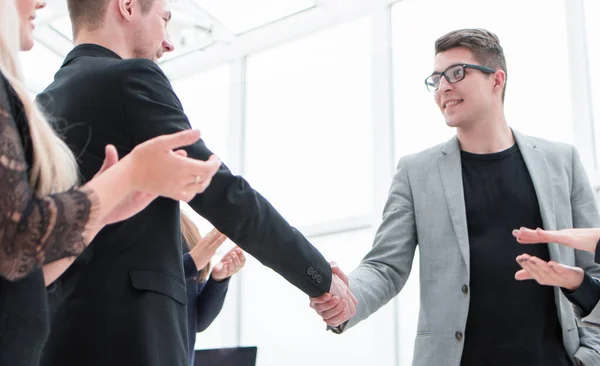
(510, 322)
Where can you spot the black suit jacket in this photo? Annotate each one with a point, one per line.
(124, 300)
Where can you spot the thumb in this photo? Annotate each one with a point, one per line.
(335, 269)
(179, 139)
(523, 275)
(181, 153)
(111, 157)
(218, 267)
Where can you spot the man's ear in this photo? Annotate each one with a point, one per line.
(125, 8)
(499, 80)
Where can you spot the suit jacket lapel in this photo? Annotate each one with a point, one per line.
(451, 177)
(535, 160)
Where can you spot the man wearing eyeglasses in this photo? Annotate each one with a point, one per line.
(459, 201)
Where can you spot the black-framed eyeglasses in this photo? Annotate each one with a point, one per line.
(453, 74)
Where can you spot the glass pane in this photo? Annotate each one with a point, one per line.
(308, 134)
(187, 32)
(206, 101)
(243, 15)
(63, 26)
(527, 36)
(221, 332)
(276, 316)
(39, 66)
(592, 12)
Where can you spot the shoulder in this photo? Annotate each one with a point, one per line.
(143, 74)
(550, 145)
(423, 157)
(141, 68)
(142, 65)
(552, 149)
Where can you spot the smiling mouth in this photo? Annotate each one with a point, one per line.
(452, 103)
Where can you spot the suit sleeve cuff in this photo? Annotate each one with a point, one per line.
(339, 329)
(585, 356)
(586, 297)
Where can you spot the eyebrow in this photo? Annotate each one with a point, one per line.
(439, 72)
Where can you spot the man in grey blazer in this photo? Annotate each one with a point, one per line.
(459, 202)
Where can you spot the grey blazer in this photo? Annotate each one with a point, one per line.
(426, 207)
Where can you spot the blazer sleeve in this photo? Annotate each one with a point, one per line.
(209, 302)
(229, 203)
(585, 214)
(385, 269)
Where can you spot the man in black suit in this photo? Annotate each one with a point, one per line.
(123, 302)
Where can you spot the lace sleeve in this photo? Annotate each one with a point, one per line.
(33, 231)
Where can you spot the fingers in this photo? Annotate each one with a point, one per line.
(323, 306)
(213, 239)
(230, 264)
(530, 265)
(331, 314)
(563, 270)
(237, 261)
(339, 319)
(549, 274)
(234, 261)
(321, 299)
(201, 172)
(333, 310)
(529, 236)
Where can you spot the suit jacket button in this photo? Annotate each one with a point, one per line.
(319, 279)
(465, 289)
(310, 271)
(459, 336)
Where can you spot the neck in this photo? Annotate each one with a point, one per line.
(113, 39)
(488, 136)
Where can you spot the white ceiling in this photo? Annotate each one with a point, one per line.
(205, 32)
(196, 24)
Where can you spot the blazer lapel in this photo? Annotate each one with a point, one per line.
(535, 160)
(451, 177)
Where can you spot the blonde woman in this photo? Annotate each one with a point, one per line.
(205, 295)
(44, 217)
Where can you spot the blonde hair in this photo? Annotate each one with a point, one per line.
(192, 236)
(54, 168)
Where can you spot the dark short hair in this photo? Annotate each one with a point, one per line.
(484, 44)
(91, 13)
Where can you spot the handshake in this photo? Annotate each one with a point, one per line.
(339, 304)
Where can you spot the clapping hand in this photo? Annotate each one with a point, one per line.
(229, 265)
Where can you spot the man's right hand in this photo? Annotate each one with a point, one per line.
(339, 304)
